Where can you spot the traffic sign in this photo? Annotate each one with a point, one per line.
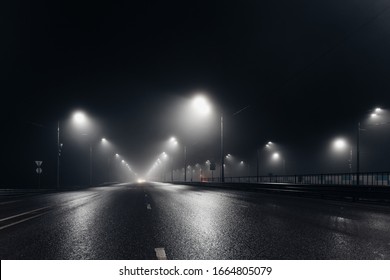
(212, 166)
(38, 170)
(38, 162)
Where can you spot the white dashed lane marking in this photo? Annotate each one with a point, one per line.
(23, 214)
(160, 253)
(9, 202)
(21, 221)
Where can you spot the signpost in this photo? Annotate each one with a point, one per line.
(39, 171)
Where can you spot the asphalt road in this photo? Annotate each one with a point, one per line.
(154, 220)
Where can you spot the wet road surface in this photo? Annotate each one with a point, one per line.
(155, 220)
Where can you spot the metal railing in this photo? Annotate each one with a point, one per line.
(349, 179)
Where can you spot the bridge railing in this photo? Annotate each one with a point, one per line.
(365, 179)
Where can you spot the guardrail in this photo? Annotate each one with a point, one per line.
(338, 192)
(346, 179)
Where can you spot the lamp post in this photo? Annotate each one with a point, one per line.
(203, 107)
(172, 144)
(358, 154)
(222, 153)
(58, 155)
(276, 156)
(81, 119)
(106, 143)
(375, 114)
(268, 145)
(257, 165)
(90, 164)
(340, 145)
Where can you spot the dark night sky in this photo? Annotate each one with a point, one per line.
(309, 69)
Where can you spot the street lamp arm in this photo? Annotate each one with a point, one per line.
(377, 124)
(242, 109)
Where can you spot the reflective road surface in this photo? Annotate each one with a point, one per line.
(155, 220)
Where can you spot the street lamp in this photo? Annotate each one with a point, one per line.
(79, 118)
(158, 167)
(164, 157)
(173, 140)
(222, 153)
(107, 146)
(376, 113)
(172, 144)
(268, 146)
(340, 145)
(276, 157)
(59, 146)
(202, 106)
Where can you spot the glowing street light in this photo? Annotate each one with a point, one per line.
(276, 157)
(79, 118)
(201, 105)
(172, 145)
(164, 157)
(107, 146)
(341, 145)
(173, 141)
(268, 146)
(373, 115)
